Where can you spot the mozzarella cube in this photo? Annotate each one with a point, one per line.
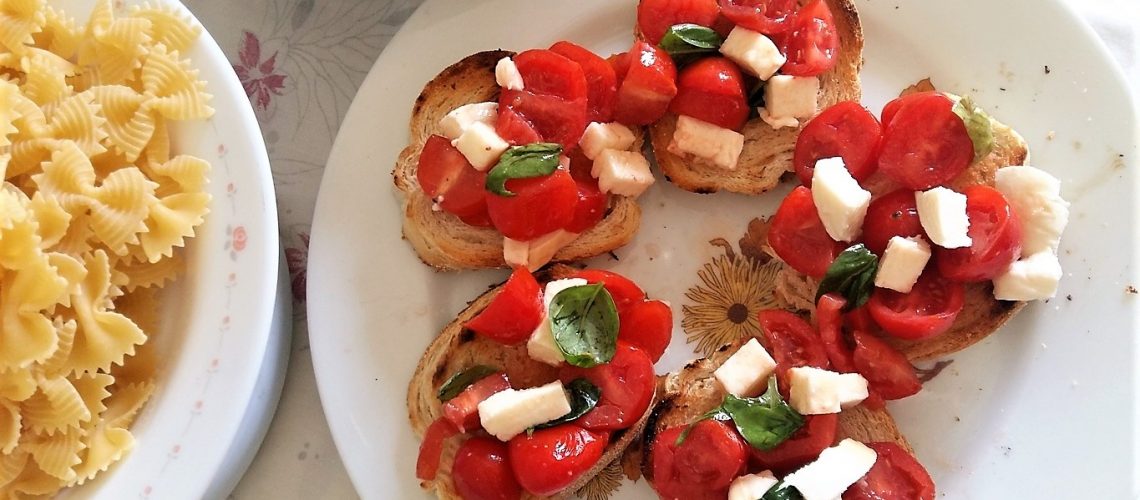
(543, 248)
(751, 486)
(753, 52)
(508, 413)
(541, 346)
(788, 96)
(516, 253)
(815, 391)
(457, 120)
(718, 145)
(624, 173)
(902, 263)
(507, 74)
(777, 122)
(1035, 197)
(942, 213)
(841, 202)
(599, 137)
(481, 145)
(1032, 278)
(836, 469)
(746, 372)
(553, 287)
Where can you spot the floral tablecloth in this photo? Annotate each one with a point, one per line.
(301, 62)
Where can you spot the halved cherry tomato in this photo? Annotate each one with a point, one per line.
(548, 73)
(540, 205)
(925, 144)
(620, 63)
(623, 290)
(892, 108)
(702, 467)
(648, 86)
(444, 171)
(553, 118)
(482, 471)
(591, 207)
(812, 45)
(792, 342)
(766, 16)
(601, 82)
(887, 371)
(515, 129)
(647, 325)
(712, 90)
(890, 215)
(804, 446)
(655, 17)
(928, 310)
(548, 460)
(827, 312)
(627, 383)
(514, 313)
(463, 410)
(431, 448)
(896, 475)
(798, 237)
(996, 235)
(846, 130)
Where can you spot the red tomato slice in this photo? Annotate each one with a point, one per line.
(444, 171)
(885, 369)
(655, 17)
(846, 130)
(463, 410)
(591, 207)
(515, 129)
(996, 235)
(798, 237)
(928, 310)
(548, 460)
(620, 63)
(553, 118)
(601, 82)
(712, 90)
(431, 448)
(925, 144)
(804, 446)
(540, 205)
(766, 16)
(892, 108)
(828, 313)
(548, 73)
(648, 86)
(627, 383)
(890, 215)
(812, 45)
(623, 290)
(482, 471)
(702, 467)
(647, 325)
(792, 342)
(896, 475)
(514, 313)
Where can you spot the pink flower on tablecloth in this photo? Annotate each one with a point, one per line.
(239, 238)
(296, 259)
(258, 76)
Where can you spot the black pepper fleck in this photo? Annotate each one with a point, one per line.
(1047, 71)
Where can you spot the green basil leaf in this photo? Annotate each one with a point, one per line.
(522, 162)
(766, 421)
(978, 125)
(584, 396)
(851, 275)
(782, 491)
(690, 40)
(756, 96)
(585, 323)
(460, 381)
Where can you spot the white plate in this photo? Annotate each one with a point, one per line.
(1041, 410)
(218, 316)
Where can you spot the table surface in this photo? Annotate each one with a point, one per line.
(305, 61)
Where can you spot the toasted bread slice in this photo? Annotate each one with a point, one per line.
(457, 348)
(767, 153)
(442, 240)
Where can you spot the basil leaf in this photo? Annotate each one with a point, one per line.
(584, 396)
(460, 381)
(756, 96)
(687, 40)
(766, 421)
(978, 125)
(852, 275)
(782, 491)
(522, 162)
(585, 323)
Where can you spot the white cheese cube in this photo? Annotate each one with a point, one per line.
(841, 202)
(553, 287)
(508, 413)
(718, 145)
(942, 213)
(745, 373)
(541, 346)
(457, 120)
(507, 74)
(777, 122)
(902, 263)
(516, 253)
(751, 486)
(543, 248)
(1035, 197)
(836, 469)
(624, 173)
(1032, 278)
(599, 137)
(815, 391)
(753, 52)
(481, 145)
(788, 96)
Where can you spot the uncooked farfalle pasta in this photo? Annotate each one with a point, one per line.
(94, 212)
